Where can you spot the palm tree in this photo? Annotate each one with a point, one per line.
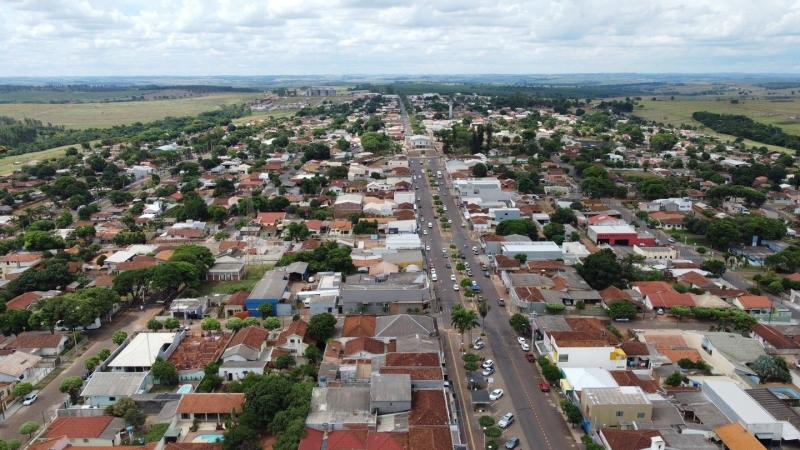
(470, 321)
(483, 311)
(457, 321)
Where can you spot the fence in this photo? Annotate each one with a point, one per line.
(68, 354)
(80, 412)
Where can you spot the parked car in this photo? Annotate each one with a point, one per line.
(489, 371)
(530, 357)
(622, 319)
(455, 287)
(30, 398)
(452, 277)
(512, 443)
(501, 302)
(496, 394)
(478, 345)
(506, 420)
(671, 240)
(447, 265)
(525, 347)
(488, 363)
(469, 273)
(544, 387)
(521, 340)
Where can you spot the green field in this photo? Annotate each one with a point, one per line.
(264, 115)
(58, 96)
(104, 115)
(7, 163)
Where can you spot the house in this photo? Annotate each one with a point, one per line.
(189, 308)
(209, 407)
(359, 325)
(295, 339)
(138, 262)
(774, 342)
(270, 218)
(39, 344)
(18, 366)
(579, 342)
(92, 431)
(247, 344)
(236, 303)
(759, 306)
(393, 293)
(695, 280)
(655, 252)
(662, 302)
(228, 269)
(340, 228)
(105, 388)
(729, 353)
(17, 261)
(142, 351)
(609, 407)
(348, 204)
(23, 301)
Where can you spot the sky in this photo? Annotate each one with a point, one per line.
(335, 37)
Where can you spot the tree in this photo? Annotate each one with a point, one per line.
(563, 216)
(103, 354)
(675, 379)
(679, 311)
(768, 370)
(171, 323)
(29, 428)
(272, 323)
(251, 322)
(312, 354)
(194, 207)
(463, 320)
(601, 270)
(574, 415)
(716, 267)
(551, 373)
(492, 432)
(217, 214)
(13, 444)
(154, 325)
(121, 407)
(22, 389)
(517, 226)
(240, 437)
(521, 257)
(169, 277)
(135, 418)
(64, 220)
(479, 170)
(91, 363)
(119, 337)
(165, 372)
(722, 233)
(133, 282)
(322, 326)
(520, 323)
(210, 324)
(234, 324)
(72, 387)
(265, 309)
(621, 309)
(483, 311)
(15, 321)
(486, 421)
(285, 361)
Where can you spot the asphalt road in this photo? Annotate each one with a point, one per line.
(539, 424)
(50, 399)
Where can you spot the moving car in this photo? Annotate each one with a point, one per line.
(544, 387)
(30, 398)
(425, 232)
(427, 248)
(671, 240)
(506, 420)
(511, 443)
(447, 265)
(501, 302)
(452, 278)
(496, 394)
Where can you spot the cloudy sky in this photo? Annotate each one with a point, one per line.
(308, 37)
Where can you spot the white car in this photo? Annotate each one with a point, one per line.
(30, 398)
(444, 250)
(671, 240)
(452, 278)
(455, 287)
(433, 276)
(525, 347)
(427, 248)
(449, 221)
(496, 394)
(444, 208)
(521, 340)
(425, 232)
(478, 345)
(488, 363)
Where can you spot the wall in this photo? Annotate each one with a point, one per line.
(587, 357)
(239, 373)
(603, 416)
(720, 363)
(390, 407)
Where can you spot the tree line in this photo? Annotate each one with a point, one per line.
(747, 128)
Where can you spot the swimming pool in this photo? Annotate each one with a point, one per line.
(784, 393)
(185, 389)
(210, 438)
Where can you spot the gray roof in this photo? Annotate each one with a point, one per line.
(530, 279)
(168, 412)
(402, 281)
(114, 384)
(271, 286)
(226, 267)
(686, 441)
(665, 416)
(551, 296)
(517, 238)
(704, 410)
(390, 388)
(574, 281)
(552, 323)
(112, 429)
(17, 363)
(297, 267)
(245, 351)
(738, 349)
(242, 364)
(403, 256)
(404, 325)
(417, 343)
(585, 295)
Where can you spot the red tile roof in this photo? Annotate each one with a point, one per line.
(430, 438)
(629, 439)
(359, 326)
(670, 299)
(347, 440)
(774, 337)
(78, 427)
(651, 287)
(252, 336)
(270, 218)
(139, 262)
(387, 441)
(364, 344)
(210, 403)
(298, 328)
(428, 407)
(36, 341)
(755, 302)
(21, 257)
(412, 360)
(238, 298)
(23, 301)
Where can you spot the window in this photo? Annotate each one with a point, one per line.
(185, 416)
(620, 414)
(85, 441)
(112, 399)
(563, 358)
(640, 415)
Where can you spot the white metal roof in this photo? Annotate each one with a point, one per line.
(143, 350)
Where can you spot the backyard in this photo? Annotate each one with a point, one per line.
(252, 275)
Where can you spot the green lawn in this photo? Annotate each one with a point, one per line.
(253, 274)
(691, 239)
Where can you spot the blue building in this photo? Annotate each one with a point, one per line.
(273, 288)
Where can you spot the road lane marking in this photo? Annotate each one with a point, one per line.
(460, 390)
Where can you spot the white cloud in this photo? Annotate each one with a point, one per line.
(237, 37)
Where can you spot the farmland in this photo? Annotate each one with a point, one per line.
(104, 115)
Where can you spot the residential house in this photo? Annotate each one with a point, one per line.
(209, 407)
(578, 342)
(142, 351)
(236, 303)
(106, 388)
(18, 366)
(295, 339)
(92, 431)
(14, 262)
(247, 344)
(226, 269)
(39, 344)
(758, 306)
(610, 407)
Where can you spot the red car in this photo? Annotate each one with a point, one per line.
(544, 386)
(530, 357)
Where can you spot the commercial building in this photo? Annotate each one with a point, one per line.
(619, 235)
(534, 251)
(398, 292)
(610, 407)
(273, 288)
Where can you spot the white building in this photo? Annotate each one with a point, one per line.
(405, 241)
(140, 353)
(535, 251)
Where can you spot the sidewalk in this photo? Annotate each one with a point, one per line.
(10, 411)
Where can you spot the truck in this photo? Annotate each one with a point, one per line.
(91, 326)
